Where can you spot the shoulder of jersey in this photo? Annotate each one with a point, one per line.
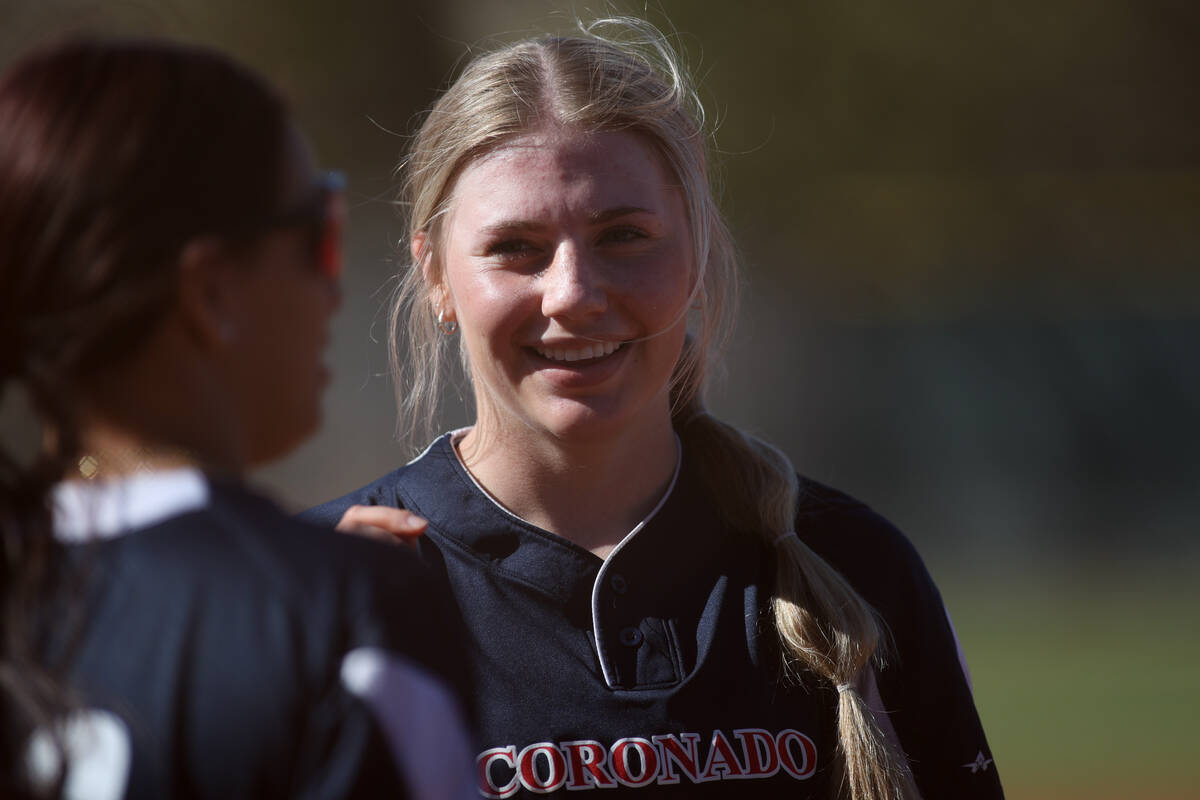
(859, 542)
(820, 507)
(380, 492)
(241, 533)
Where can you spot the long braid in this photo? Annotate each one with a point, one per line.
(824, 625)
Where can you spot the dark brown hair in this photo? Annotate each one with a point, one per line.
(113, 155)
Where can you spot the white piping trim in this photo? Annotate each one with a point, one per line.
(608, 678)
(454, 437)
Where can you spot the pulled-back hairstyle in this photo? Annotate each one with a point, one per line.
(588, 82)
(622, 74)
(113, 155)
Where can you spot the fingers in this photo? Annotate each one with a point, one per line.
(382, 522)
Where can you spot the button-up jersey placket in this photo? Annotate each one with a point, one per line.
(635, 651)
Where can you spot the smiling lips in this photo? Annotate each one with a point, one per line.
(583, 353)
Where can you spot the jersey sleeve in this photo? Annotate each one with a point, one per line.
(395, 709)
(387, 727)
(382, 492)
(924, 685)
(928, 695)
(343, 753)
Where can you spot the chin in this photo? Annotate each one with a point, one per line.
(589, 422)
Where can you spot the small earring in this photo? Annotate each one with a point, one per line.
(448, 326)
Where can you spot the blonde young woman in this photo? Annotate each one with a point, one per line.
(657, 604)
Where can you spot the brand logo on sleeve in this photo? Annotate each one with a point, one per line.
(979, 764)
(636, 761)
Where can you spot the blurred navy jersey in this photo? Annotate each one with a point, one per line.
(225, 650)
(656, 672)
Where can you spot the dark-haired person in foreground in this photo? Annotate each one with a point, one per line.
(169, 261)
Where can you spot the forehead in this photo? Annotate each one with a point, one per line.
(565, 170)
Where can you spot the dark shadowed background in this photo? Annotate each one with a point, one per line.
(972, 233)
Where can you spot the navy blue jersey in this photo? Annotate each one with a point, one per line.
(225, 650)
(656, 671)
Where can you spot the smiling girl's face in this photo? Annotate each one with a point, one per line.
(563, 251)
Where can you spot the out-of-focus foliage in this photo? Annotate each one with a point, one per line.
(938, 157)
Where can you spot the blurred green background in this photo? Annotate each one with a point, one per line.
(971, 233)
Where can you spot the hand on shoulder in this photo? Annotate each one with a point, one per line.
(384, 523)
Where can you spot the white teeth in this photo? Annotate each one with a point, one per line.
(595, 350)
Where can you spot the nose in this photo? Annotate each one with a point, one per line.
(573, 286)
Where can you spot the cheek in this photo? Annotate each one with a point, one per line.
(662, 289)
(491, 306)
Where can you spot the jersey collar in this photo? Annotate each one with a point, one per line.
(437, 486)
(110, 507)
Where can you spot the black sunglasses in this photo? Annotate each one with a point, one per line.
(314, 208)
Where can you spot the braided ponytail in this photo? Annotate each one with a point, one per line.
(824, 626)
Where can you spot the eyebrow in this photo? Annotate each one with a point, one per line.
(614, 213)
(594, 218)
(510, 226)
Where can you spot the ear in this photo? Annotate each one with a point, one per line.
(439, 292)
(417, 248)
(423, 258)
(208, 293)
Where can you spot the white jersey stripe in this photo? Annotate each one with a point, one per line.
(419, 718)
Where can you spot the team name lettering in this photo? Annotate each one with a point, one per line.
(544, 767)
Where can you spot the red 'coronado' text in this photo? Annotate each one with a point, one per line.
(635, 761)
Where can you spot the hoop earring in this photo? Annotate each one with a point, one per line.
(448, 326)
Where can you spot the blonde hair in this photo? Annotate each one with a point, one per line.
(622, 74)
